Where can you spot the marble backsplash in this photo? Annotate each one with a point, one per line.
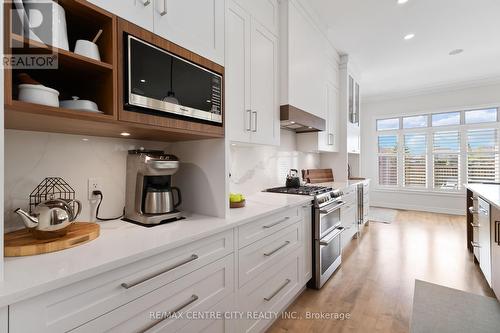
(32, 156)
(255, 168)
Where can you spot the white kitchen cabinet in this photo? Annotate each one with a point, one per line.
(495, 250)
(307, 263)
(349, 215)
(196, 25)
(196, 292)
(252, 109)
(69, 307)
(139, 12)
(484, 239)
(265, 12)
(353, 131)
(270, 292)
(303, 60)
(326, 141)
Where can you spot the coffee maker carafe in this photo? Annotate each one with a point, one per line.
(150, 195)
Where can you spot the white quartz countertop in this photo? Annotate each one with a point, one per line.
(489, 192)
(121, 243)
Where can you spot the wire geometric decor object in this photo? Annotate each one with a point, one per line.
(51, 188)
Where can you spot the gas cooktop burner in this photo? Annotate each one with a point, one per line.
(302, 190)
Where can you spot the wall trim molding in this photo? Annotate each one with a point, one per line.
(432, 90)
(420, 208)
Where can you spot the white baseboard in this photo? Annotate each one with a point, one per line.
(405, 206)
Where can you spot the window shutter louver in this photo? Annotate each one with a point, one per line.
(482, 155)
(446, 156)
(415, 160)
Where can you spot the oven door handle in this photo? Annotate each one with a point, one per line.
(327, 242)
(331, 210)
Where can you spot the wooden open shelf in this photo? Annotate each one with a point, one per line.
(67, 58)
(98, 81)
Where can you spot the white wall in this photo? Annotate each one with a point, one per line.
(255, 168)
(32, 156)
(450, 100)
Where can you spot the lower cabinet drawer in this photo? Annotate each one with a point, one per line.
(270, 293)
(266, 253)
(71, 306)
(215, 320)
(253, 231)
(172, 306)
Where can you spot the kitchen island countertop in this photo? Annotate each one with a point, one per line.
(489, 192)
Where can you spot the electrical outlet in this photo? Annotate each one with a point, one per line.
(94, 185)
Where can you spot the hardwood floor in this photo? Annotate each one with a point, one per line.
(376, 280)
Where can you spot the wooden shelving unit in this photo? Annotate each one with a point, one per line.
(88, 79)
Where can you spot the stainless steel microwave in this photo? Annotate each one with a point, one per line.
(161, 83)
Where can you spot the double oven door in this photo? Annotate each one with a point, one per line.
(327, 242)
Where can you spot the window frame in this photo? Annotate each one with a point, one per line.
(462, 129)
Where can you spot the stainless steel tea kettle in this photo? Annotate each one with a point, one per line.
(51, 215)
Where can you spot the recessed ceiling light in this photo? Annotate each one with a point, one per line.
(456, 51)
(409, 36)
(402, 2)
(143, 81)
(125, 134)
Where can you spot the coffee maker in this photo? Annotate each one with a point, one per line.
(149, 190)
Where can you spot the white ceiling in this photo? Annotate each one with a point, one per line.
(372, 31)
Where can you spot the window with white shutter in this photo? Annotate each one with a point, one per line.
(388, 160)
(482, 155)
(446, 160)
(415, 160)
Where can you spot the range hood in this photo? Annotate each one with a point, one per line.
(300, 121)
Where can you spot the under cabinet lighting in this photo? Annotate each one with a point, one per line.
(402, 2)
(125, 134)
(409, 36)
(85, 139)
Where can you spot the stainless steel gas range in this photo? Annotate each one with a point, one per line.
(326, 229)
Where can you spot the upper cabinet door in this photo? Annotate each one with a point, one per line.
(139, 12)
(196, 25)
(264, 88)
(264, 11)
(237, 74)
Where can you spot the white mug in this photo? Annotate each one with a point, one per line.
(88, 49)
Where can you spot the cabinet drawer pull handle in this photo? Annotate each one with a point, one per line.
(268, 254)
(191, 300)
(472, 210)
(255, 121)
(475, 244)
(267, 226)
(147, 3)
(248, 126)
(497, 232)
(474, 225)
(168, 269)
(287, 281)
(164, 11)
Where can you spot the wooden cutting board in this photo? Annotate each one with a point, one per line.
(22, 243)
(317, 175)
